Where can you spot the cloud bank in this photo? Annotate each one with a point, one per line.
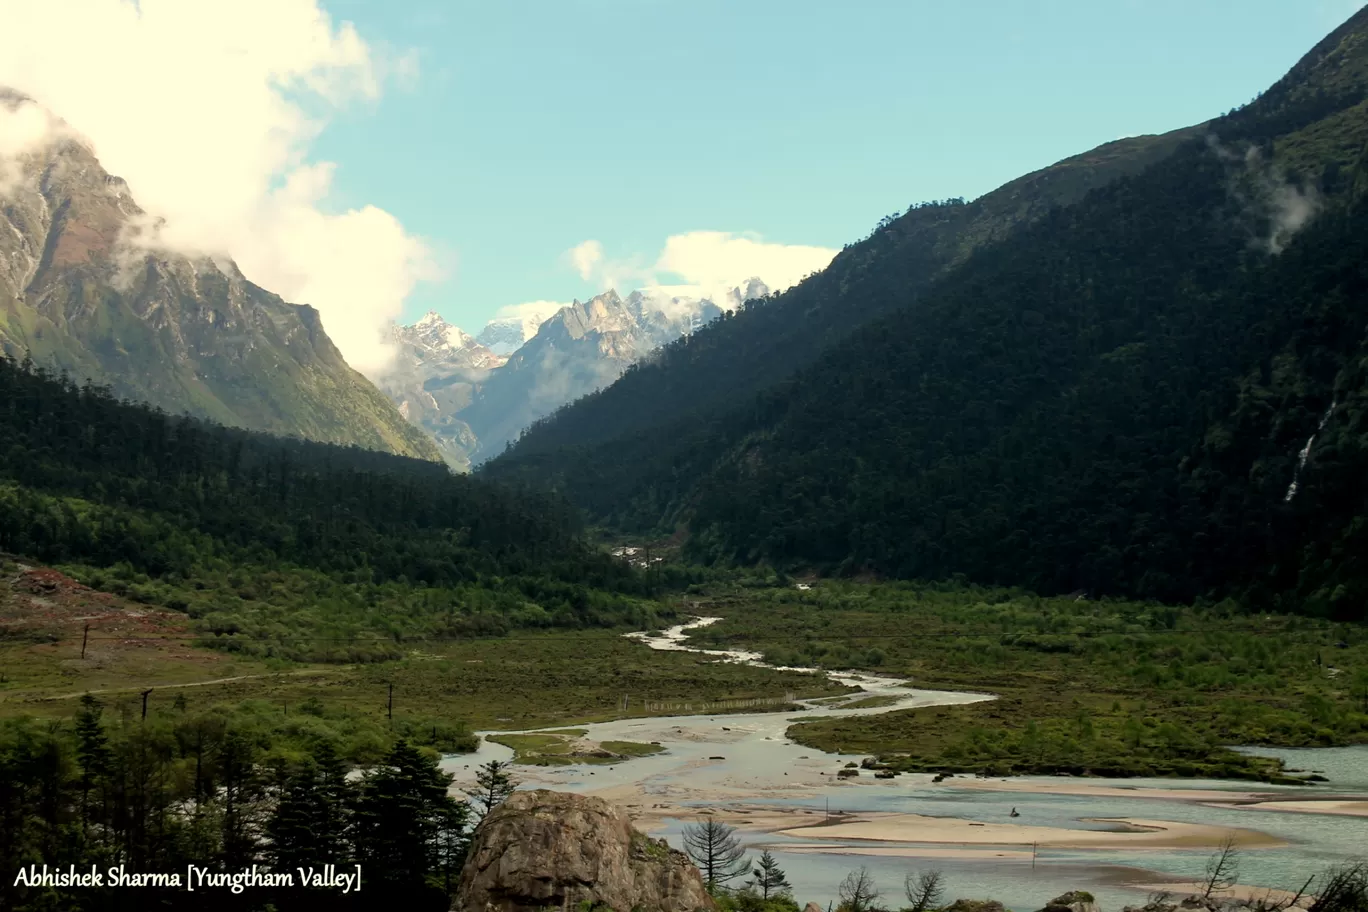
(531, 314)
(208, 110)
(705, 264)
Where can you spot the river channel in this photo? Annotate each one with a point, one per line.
(741, 767)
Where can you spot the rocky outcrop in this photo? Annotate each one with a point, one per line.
(543, 849)
(975, 905)
(1073, 901)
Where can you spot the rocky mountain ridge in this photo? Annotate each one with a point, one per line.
(436, 371)
(82, 290)
(474, 400)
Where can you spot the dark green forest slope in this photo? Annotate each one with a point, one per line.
(1116, 397)
(273, 544)
(767, 340)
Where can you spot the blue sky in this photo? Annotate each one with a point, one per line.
(531, 126)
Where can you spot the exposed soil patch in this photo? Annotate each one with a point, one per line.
(48, 615)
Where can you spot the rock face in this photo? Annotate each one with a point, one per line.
(436, 370)
(84, 290)
(543, 849)
(975, 905)
(1073, 901)
(583, 348)
(476, 394)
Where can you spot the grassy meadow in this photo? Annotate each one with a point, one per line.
(1086, 687)
(442, 689)
(1115, 688)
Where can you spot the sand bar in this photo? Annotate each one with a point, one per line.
(957, 853)
(1129, 833)
(1066, 787)
(653, 810)
(1339, 807)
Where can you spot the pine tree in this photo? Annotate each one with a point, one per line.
(404, 818)
(290, 828)
(92, 753)
(452, 843)
(716, 849)
(309, 825)
(240, 786)
(769, 877)
(493, 785)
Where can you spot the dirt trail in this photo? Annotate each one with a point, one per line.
(140, 689)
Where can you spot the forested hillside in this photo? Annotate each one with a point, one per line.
(272, 543)
(767, 340)
(1158, 391)
(80, 293)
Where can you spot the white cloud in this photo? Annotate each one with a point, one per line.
(530, 314)
(705, 264)
(208, 109)
(24, 128)
(586, 257)
(722, 259)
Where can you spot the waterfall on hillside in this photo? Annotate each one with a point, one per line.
(1306, 453)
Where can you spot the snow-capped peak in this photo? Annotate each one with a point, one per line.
(456, 337)
(434, 333)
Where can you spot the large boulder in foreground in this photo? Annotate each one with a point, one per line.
(544, 849)
(1073, 901)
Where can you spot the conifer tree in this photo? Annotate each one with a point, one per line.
(716, 850)
(493, 785)
(240, 787)
(309, 825)
(92, 753)
(403, 817)
(769, 877)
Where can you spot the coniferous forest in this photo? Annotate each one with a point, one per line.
(222, 523)
(274, 548)
(160, 797)
(1155, 392)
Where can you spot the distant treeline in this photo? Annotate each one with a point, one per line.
(219, 521)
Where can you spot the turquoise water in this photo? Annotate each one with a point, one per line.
(1316, 842)
(1345, 767)
(757, 760)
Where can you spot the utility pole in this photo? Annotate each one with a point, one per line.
(84, 637)
(145, 694)
(389, 711)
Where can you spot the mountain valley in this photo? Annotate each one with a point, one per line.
(1015, 560)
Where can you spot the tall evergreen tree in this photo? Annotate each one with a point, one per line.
(309, 825)
(769, 877)
(493, 784)
(716, 850)
(404, 817)
(93, 755)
